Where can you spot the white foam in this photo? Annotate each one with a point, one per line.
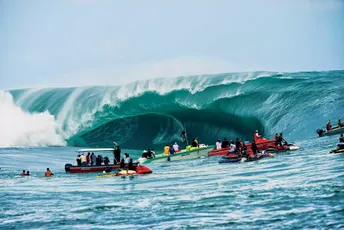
(19, 128)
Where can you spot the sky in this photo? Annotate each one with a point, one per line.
(62, 43)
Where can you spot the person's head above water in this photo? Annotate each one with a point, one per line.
(23, 171)
(48, 169)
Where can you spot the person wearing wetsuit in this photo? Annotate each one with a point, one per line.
(340, 124)
(108, 169)
(225, 143)
(28, 173)
(106, 161)
(117, 155)
(341, 138)
(254, 148)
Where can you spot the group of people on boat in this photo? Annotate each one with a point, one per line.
(47, 173)
(329, 126)
(90, 159)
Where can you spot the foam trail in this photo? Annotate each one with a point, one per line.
(19, 128)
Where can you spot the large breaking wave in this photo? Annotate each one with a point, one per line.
(151, 113)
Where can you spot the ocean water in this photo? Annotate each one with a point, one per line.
(295, 190)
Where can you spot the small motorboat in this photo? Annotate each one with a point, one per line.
(185, 154)
(237, 159)
(93, 168)
(333, 131)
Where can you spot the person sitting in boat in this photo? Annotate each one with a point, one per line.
(225, 143)
(167, 150)
(106, 161)
(130, 164)
(78, 160)
(232, 147)
(88, 158)
(23, 173)
(116, 154)
(93, 158)
(246, 142)
(150, 154)
(48, 173)
(341, 138)
(171, 150)
(176, 147)
(340, 124)
(218, 144)
(328, 126)
(340, 146)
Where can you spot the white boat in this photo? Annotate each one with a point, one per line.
(192, 153)
(333, 131)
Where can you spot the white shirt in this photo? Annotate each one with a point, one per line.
(232, 148)
(83, 158)
(126, 160)
(175, 147)
(218, 145)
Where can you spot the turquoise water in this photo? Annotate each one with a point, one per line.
(294, 190)
(301, 189)
(150, 113)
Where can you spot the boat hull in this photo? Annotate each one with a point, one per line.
(224, 160)
(218, 152)
(334, 131)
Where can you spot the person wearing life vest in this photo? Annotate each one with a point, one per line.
(23, 173)
(48, 173)
(167, 150)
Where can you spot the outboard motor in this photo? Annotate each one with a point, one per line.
(320, 132)
(67, 167)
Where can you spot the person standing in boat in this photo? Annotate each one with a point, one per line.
(117, 155)
(83, 160)
(88, 158)
(93, 159)
(78, 160)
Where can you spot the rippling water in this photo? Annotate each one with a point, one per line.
(302, 189)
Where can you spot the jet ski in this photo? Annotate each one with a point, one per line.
(340, 148)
